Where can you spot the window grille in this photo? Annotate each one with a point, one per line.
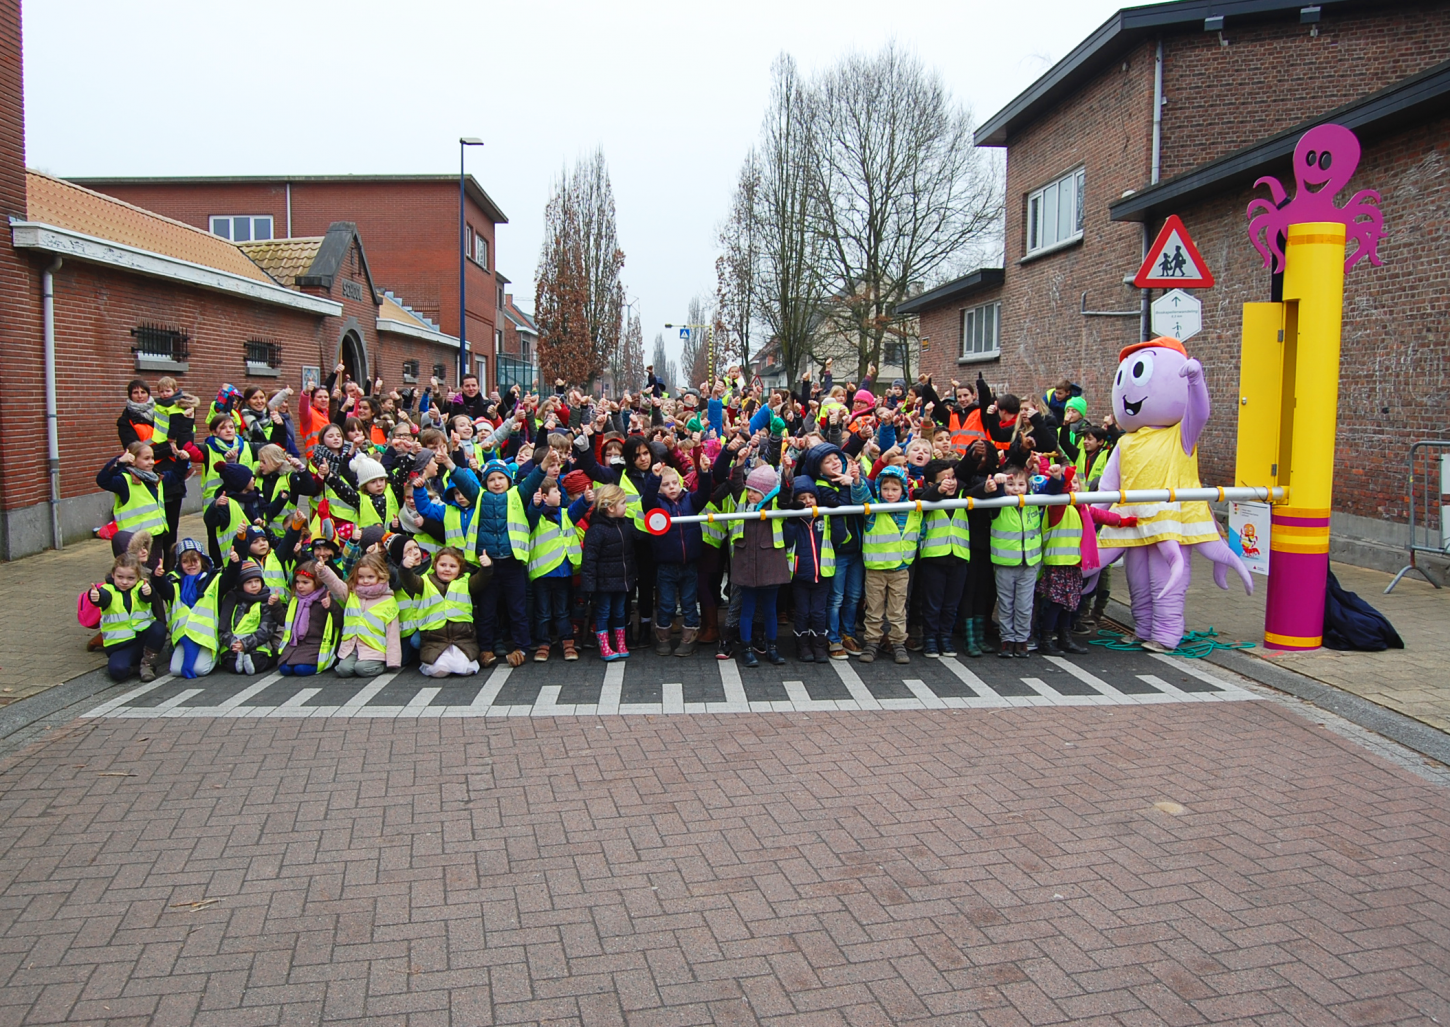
(157, 341)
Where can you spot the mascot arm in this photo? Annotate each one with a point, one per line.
(1195, 413)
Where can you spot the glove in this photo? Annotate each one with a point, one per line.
(1128, 522)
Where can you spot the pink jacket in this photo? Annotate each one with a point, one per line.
(1092, 516)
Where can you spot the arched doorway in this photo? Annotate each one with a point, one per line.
(354, 357)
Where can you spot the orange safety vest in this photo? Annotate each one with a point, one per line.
(967, 430)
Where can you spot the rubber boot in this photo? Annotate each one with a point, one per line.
(147, 669)
(710, 615)
(974, 636)
(803, 650)
(750, 659)
(687, 642)
(662, 641)
(619, 647)
(606, 652)
(820, 647)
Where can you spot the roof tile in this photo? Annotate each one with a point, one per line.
(284, 259)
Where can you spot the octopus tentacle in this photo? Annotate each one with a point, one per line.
(1172, 553)
(1224, 558)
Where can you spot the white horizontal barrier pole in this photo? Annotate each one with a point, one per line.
(1211, 495)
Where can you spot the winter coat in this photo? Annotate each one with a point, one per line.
(682, 543)
(608, 554)
(755, 562)
(234, 607)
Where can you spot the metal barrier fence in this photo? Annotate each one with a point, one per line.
(1429, 505)
(1211, 495)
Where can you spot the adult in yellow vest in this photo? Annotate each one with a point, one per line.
(139, 502)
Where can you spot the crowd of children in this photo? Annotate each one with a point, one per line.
(376, 531)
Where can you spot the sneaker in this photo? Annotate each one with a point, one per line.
(902, 656)
(838, 652)
(1005, 651)
(930, 648)
(1031, 645)
(1020, 650)
(722, 650)
(947, 646)
(868, 652)
(852, 647)
(914, 643)
(541, 654)
(1152, 646)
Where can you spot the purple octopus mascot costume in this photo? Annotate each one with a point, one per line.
(1161, 401)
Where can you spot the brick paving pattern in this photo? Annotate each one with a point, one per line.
(1152, 864)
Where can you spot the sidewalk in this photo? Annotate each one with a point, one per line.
(41, 643)
(1412, 681)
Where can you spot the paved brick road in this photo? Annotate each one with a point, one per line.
(1170, 863)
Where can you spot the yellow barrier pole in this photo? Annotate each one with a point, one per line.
(1299, 547)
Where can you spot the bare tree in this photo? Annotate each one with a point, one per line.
(788, 279)
(663, 365)
(695, 353)
(735, 289)
(630, 374)
(900, 190)
(578, 296)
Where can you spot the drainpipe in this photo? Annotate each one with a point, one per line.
(52, 438)
(1147, 314)
(289, 210)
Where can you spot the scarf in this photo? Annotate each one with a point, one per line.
(190, 589)
(377, 591)
(143, 411)
(149, 477)
(302, 621)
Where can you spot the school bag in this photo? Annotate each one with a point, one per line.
(87, 612)
(1351, 623)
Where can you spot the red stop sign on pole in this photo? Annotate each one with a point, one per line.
(657, 521)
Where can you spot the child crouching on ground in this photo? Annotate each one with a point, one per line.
(313, 620)
(192, 592)
(133, 636)
(607, 570)
(371, 639)
(249, 621)
(448, 642)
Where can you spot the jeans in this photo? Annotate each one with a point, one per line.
(940, 580)
(1015, 587)
(610, 610)
(551, 609)
(676, 583)
(122, 660)
(847, 587)
(811, 600)
(510, 585)
(750, 598)
(299, 670)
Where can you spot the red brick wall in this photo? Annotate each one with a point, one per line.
(409, 230)
(943, 326)
(1286, 73)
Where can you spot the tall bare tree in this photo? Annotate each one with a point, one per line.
(695, 352)
(665, 368)
(735, 290)
(789, 276)
(900, 190)
(578, 296)
(630, 374)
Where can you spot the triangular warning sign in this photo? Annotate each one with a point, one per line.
(1173, 262)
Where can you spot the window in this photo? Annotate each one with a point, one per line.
(498, 340)
(160, 349)
(1054, 212)
(500, 298)
(440, 371)
(480, 250)
(982, 332)
(264, 358)
(892, 354)
(410, 371)
(242, 227)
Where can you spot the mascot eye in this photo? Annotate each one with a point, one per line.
(1324, 161)
(1140, 372)
(1309, 158)
(1119, 379)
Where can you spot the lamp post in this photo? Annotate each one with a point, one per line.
(463, 143)
(709, 351)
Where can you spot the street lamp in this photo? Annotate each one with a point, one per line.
(463, 143)
(709, 344)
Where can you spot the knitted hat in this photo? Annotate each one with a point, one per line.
(235, 477)
(422, 460)
(394, 546)
(898, 383)
(251, 533)
(496, 467)
(803, 483)
(864, 399)
(892, 471)
(366, 469)
(371, 536)
(191, 545)
(1079, 404)
(763, 479)
(323, 540)
(250, 569)
(575, 482)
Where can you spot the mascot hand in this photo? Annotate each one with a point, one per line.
(1127, 522)
(1192, 370)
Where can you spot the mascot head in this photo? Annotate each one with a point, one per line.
(1147, 390)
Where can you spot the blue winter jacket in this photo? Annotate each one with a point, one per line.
(682, 543)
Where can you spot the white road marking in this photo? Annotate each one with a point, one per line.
(121, 700)
(674, 697)
(1192, 669)
(613, 686)
(929, 699)
(484, 699)
(1089, 678)
(855, 685)
(735, 700)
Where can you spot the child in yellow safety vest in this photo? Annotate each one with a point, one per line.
(139, 490)
(554, 555)
(248, 619)
(192, 593)
(312, 622)
(445, 598)
(132, 634)
(1016, 553)
(888, 550)
(371, 635)
(942, 560)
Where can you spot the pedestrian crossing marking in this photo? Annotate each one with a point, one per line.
(635, 688)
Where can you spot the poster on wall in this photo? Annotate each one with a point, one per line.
(311, 377)
(1248, 534)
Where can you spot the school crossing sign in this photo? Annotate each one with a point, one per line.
(1173, 262)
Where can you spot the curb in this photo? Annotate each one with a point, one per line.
(23, 713)
(1407, 731)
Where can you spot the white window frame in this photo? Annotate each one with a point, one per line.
(981, 333)
(251, 219)
(480, 250)
(1064, 231)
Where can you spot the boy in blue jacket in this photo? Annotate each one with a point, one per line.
(813, 565)
(676, 554)
(502, 531)
(554, 556)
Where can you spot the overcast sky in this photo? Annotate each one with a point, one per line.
(674, 92)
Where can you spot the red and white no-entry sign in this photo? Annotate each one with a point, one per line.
(657, 521)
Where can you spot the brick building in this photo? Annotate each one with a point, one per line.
(139, 294)
(519, 352)
(1091, 177)
(410, 223)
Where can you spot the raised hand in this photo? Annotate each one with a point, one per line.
(94, 595)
